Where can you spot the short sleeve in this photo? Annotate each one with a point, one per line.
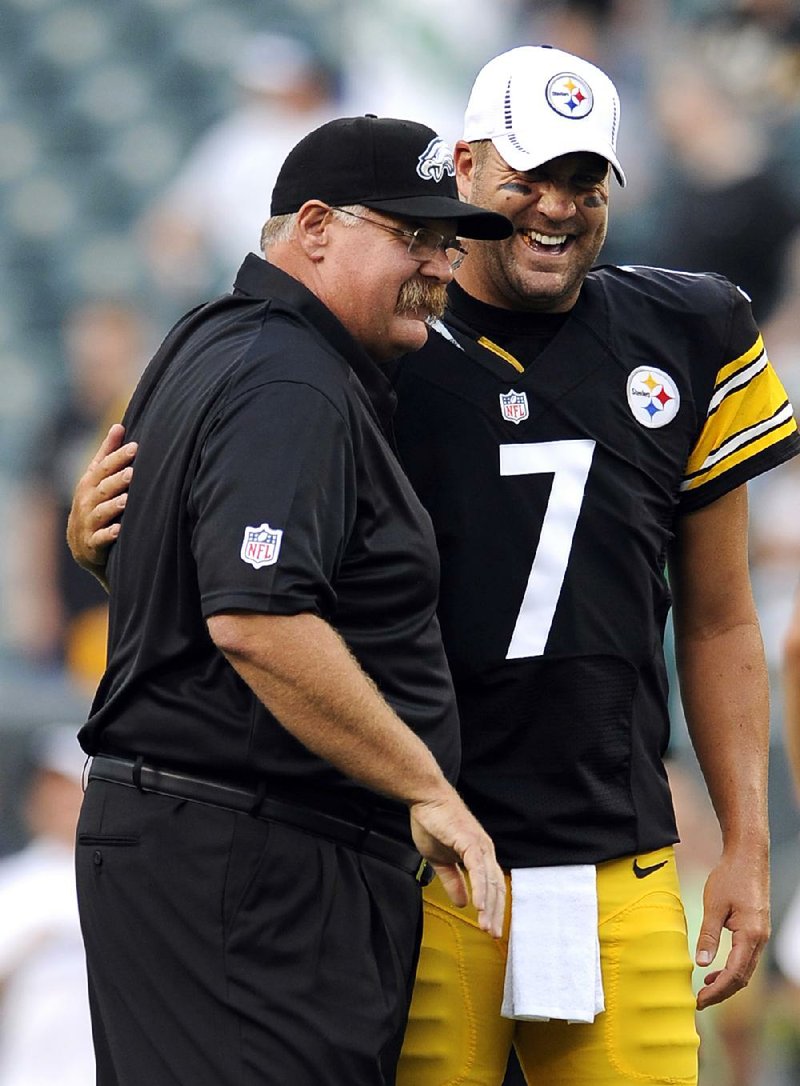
(273, 502)
(749, 426)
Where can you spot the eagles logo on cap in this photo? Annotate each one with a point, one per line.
(569, 95)
(401, 167)
(436, 161)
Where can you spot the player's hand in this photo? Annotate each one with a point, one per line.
(450, 837)
(736, 897)
(99, 500)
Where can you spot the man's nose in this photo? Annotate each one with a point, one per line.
(437, 266)
(556, 202)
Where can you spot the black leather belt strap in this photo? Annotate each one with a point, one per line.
(167, 782)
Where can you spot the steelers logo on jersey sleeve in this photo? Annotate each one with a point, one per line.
(653, 397)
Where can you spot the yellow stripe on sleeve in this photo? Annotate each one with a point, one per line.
(739, 455)
(748, 419)
(740, 362)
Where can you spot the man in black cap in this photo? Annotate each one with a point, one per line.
(277, 701)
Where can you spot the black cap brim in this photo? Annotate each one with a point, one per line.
(471, 221)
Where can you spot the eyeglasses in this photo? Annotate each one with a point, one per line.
(423, 243)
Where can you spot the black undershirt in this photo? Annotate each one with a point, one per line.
(524, 335)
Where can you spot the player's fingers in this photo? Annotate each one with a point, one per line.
(488, 887)
(453, 882)
(707, 942)
(718, 987)
(736, 974)
(491, 916)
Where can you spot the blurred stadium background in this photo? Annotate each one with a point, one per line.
(108, 115)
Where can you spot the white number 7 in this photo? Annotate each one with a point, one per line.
(569, 463)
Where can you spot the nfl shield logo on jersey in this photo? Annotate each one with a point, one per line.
(514, 406)
(261, 545)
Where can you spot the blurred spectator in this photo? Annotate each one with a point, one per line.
(199, 230)
(725, 106)
(613, 34)
(720, 205)
(45, 1032)
(418, 59)
(58, 610)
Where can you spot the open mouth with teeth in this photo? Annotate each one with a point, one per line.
(550, 244)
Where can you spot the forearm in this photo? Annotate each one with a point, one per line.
(721, 665)
(724, 689)
(302, 671)
(725, 693)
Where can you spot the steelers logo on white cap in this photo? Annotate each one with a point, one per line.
(653, 397)
(569, 95)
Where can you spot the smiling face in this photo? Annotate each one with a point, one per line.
(380, 293)
(560, 215)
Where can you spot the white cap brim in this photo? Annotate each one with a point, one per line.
(519, 158)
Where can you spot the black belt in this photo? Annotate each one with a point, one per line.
(166, 782)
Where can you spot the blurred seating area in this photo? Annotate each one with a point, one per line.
(99, 106)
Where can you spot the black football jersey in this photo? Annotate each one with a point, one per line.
(553, 477)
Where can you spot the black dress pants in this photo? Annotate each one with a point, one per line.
(227, 951)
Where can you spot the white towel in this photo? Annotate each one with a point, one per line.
(553, 967)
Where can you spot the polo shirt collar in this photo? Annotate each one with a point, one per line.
(257, 278)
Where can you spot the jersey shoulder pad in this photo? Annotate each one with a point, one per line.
(694, 293)
(702, 316)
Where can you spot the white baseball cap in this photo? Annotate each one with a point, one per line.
(537, 102)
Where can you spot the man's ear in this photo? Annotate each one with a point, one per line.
(313, 220)
(465, 167)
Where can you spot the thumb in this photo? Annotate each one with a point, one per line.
(707, 945)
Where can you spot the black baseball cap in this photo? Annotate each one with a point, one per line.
(391, 165)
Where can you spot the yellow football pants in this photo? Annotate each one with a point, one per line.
(646, 1035)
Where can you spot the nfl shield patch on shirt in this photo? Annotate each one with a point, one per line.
(261, 545)
(514, 406)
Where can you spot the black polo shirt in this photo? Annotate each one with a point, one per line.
(265, 481)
